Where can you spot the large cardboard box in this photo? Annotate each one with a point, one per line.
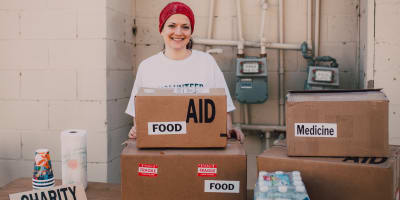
(181, 174)
(346, 178)
(177, 118)
(337, 123)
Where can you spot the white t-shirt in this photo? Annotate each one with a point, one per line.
(198, 70)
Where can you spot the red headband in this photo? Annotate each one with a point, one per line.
(175, 8)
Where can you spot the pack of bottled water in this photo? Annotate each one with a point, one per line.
(280, 186)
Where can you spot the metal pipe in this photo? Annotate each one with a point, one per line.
(210, 20)
(309, 26)
(281, 69)
(246, 114)
(264, 7)
(240, 45)
(268, 45)
(265, 128)
(316, 35)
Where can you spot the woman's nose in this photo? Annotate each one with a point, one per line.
(178, 30)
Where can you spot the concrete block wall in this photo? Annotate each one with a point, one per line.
(120, 43)
(64, 64)
(387, 62)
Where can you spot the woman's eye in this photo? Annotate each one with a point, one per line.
(186, 27)
(171, 26)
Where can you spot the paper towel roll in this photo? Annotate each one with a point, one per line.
(73, 156)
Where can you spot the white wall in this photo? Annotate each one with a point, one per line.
(387, 60)
(63, 64)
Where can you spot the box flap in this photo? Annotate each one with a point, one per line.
(337, 95)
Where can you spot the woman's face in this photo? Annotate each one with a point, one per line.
(176, 32)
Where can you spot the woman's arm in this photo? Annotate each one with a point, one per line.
(233, 130)
(132, 132)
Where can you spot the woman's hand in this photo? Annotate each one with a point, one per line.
(233, 131)
(236, 133)
(132, 133)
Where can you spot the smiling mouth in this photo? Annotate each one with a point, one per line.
(178, 39)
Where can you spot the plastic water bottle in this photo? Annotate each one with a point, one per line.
(280, 186)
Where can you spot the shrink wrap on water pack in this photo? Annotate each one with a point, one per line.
(74, 157)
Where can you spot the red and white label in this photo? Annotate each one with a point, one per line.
(208, 170)
(147, 170)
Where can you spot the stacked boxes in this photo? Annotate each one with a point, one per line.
(193, 159)
(337, 123)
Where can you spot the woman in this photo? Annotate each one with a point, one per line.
(178, 65)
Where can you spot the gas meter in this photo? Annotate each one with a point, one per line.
(320, 76)
(251, 80)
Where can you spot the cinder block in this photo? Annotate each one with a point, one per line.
(85, 4)
(9, 21)
(147, 31)
(266, 113)
(119, 55)
(10, 53)
(252, 144)
(33, 54)
(225, 60)
(237, 114)
(91, 53)
(10, 4)
(273, 89)
(97, 172)
(200, 8)
(92, 23)
(33, 140)
(249, 7)
(339, 7)
(119, 84)
(114, 171)
(343, 52)
(294, 80)
(145, 51)
(342, 28)
(87, 115)
(223, 28)
(9, 84)
(387, 55)
(48, 84)
(251, 27)
(122, 6)
(10, 147)
(116, 115)
(295, 21)
(60, 24)
(98, 145)
(5, 171)
(24, 115)
(150, 9)
(230, 79)
(33, 5)
(388, 77)
(323, 29)
(386, 21)
(130, 22)
(115, 25)
(92, 85)
(61, 4)
(201, 27)
(290, 61)
(224, 8)
(117, 136)
(347, 80)
(394, 118)
(78, 54)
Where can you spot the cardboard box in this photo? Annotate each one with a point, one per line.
(337, 123)
(196, 174)
(338, 178)
(174, 118)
